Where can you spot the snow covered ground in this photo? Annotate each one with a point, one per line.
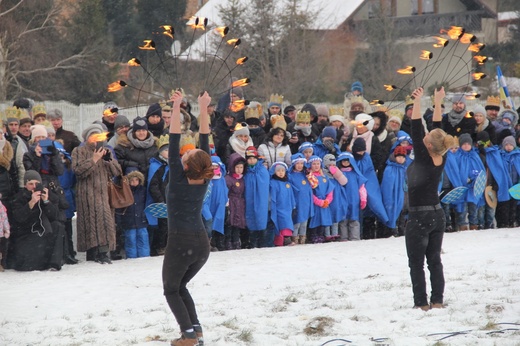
(301, 295)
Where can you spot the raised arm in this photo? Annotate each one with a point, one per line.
(417, 94)
(204, 101)
(438, 97)
(175, 123)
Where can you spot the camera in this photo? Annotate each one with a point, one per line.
(100, 145)
(39, 187)
(46, 145)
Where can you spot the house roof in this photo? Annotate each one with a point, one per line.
(330, 15)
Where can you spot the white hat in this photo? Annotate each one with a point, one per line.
(365, 120)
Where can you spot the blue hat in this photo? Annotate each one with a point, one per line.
(275, 166)
(329, 131)
(312, 159)
(305, 145)
(297, 158)
(357, 86)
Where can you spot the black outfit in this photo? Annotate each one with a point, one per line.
(69, 138)
(188, 246)
(426, 225)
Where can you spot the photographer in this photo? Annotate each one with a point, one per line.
(43, 157)
(33, 244)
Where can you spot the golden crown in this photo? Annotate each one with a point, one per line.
(39, 109)
(13, 112)
(334, 110)
(357, 99)
(493, 101)
(163, 140)
(395, 113)
(276, 98)
(278, 121)
(164, 105)
(254, 110)
(180, 89)
(303, 117)
(408, 100)
(239, 126)
(186, 139)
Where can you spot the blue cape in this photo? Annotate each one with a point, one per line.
(499, 171)
(375, 200)
(393, 188)
(155, 164)
(350, 192)
(470, 165)
(256, 196)
(282, 204)
(218, 198)
(322, 216)
(303, 195)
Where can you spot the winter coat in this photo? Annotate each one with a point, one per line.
(236, 187)
(95, 217)
(133, 217)
(33, 243)
(465, 125)
(19, 149)
(221, 136)
(69, 138)
(7, 181)
(48, 165)
(133, 158)
(68, 183)
(272, 153)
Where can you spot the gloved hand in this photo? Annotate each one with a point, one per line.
(325, 204)
(52, 149)
(363, 197)
(108, 156)
(329, 145)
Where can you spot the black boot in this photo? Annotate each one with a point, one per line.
(103, 258)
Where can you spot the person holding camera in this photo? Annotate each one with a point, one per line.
(94, 166)
(34, 245)
(43, 156)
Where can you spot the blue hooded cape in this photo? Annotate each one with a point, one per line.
(393, 188)
(350, 191)
(499, 171)
(206, 212)
(282, 202)
(257, 196)
(321, 150)
(303, 196)
(322, 216)
(470, 165)
(155, 164)
(375, 200)
(218, 198)
(451, 169)
(512, 164)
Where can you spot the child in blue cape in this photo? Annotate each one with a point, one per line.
(218, 201)
(338, 206)
(470, 166)
(374, 200)
(394, 190)
(354, 194)
(282, 204)
(303, 196)
(237, 208)
(257, 197)
(323, 194)
(306, 149)
(506, 210)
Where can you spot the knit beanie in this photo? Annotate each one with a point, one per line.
(139, 124)
(328, 160)
(365, 120)
(508, 115)
(322, 110)
(308, 107)
(479, 110)
(465, 138)
(154, 109)
(251, 152)
(329, 131)
(396, 119)
(38, 131)
(337, 118)
(509, 140)
(359, 145)
(31, 175)
(482, 136)
(90, 130)
(357, 86)
(241, 129)
(121, 121)
(458, 98)
(288, 109)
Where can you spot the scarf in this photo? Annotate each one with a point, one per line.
(483, 126)
(455, 118)
(382, 136)
(367, 136)
(239, 146)
(306, 130)
(145, 144)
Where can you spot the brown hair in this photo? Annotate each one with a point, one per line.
(199, 165)
(441, 142)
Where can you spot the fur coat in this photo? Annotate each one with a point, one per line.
(95, 217)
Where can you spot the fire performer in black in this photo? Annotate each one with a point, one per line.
(188, 245)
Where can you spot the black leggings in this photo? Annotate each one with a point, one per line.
(424, 233)
(186, 253)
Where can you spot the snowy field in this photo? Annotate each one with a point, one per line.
(301, 295)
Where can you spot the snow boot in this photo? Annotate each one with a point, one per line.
(200, 337)
(186, 339)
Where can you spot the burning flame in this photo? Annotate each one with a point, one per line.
(468, 115)
(237, 105)
(377, 102)
(426, 55)
(241, 61)
(480, 59)
(476, 47)
(468, 38)
(478, 75)
(441, 42)
(406, 70)
(116, 86)
(198, 23)
(455, 32)
(98, 137)
(234, 41)
(472, 96)
(168, 30)
(222, 30)
(134, 62)
(148, 45)
(389, 87)
(240, 83)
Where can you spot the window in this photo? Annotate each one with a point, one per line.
(422, 7)
(378, 8)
